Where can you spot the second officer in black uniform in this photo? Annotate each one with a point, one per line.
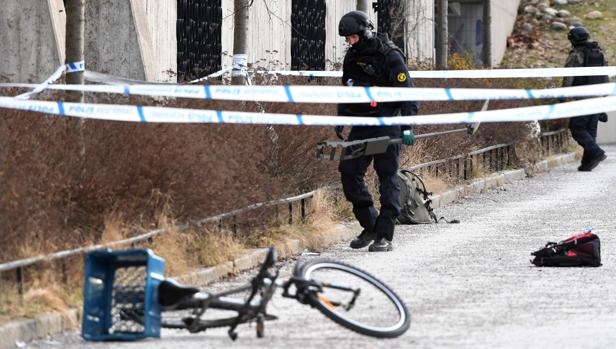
(373, 60)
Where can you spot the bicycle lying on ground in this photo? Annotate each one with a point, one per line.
(121, 303)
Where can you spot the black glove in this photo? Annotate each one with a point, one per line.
(603, 117)
(339, 129)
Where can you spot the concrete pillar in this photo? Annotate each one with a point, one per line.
(31, 39)
(120, 41)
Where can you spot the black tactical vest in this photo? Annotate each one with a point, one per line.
(365, 64)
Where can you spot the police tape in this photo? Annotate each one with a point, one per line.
(211, 76)
(41, 87)
(334, 94)
(468, 74)
(133, 113)
(69, 67)
(76, 67)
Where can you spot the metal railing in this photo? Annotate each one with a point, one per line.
(494, 158)
(554, 141)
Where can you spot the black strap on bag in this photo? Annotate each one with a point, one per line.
(425, 194)
(581, 250)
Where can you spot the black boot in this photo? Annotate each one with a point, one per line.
(592, 163)
(381, 245)
(364, 239)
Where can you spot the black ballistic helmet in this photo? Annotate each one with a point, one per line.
(355, 22)
(578, 35)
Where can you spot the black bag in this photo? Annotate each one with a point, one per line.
(415, 202)
(581, 250)
(593, 57)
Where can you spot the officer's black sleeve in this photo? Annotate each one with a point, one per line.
(399, 77)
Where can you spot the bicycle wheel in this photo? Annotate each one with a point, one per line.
(355, 299)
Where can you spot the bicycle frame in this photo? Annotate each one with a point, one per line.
(250, 309)
(265, 283)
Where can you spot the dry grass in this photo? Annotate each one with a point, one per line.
(215, 246)
(41, 297)
(113, 228)
(325, 209)
(437, 185)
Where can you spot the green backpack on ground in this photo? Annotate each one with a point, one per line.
(415, 202)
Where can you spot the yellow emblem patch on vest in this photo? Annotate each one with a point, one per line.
(401, 77)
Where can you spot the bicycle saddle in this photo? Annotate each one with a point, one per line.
(171, 293)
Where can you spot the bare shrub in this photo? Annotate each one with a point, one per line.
(60, 179)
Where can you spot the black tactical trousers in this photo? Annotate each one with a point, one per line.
(355, 190)
(584, 131)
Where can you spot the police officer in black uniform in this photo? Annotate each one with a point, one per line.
(585, 53)
(373, 60)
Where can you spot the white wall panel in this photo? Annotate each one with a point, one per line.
(270, 32)
(162, 17)
(269, 38)
(420, 31)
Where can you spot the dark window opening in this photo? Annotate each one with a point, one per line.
(308, 35)
(199, 34)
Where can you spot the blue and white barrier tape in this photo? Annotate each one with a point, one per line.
(51, 79)
(451, 74)
(75, 67)
(41, 87)
(471, 74)
(335, 94)
(211, 76)
(133, 113)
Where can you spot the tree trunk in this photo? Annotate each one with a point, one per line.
(240, 42)
(442, 36)
(75, 29)
(487, 33)
(363, 5)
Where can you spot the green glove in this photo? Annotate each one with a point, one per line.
(408, 138)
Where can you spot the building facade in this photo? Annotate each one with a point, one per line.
(179, 40)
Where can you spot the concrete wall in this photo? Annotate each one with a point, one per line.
(31, 35)
(466, 22)
(133, 39)
(464, 25)
(113, 45)
(504, 14)
(606, 133)
(128, 38)
(269, 44)
(420, 31)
